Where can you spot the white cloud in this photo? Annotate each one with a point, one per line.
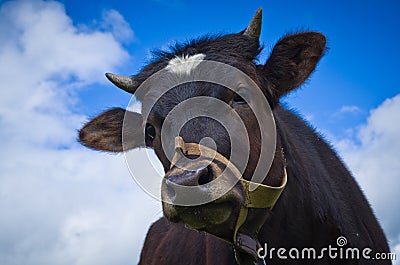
(396, 249)
(115, 22)
(60, 203)
(373, 157)
(349, 109)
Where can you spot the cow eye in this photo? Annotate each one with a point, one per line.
(238, 100)
(150, 132)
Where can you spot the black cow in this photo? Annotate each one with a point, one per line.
(321, 201)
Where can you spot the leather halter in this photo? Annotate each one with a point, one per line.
(257, 196)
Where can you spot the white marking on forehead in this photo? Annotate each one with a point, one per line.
(185, 63)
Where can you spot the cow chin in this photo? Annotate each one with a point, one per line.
(199, 217)
(217, 217)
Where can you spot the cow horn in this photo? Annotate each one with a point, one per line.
(124, 82)
(253, 30)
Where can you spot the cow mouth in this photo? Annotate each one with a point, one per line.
(199, 217)
(217, 217)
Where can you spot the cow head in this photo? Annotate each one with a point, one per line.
(291, 62)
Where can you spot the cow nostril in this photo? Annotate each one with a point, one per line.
(205, 176)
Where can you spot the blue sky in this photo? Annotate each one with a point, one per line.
(53, 56)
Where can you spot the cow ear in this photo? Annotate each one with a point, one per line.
(115, 130)
(292, 61)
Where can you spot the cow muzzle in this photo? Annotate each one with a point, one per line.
(196, 192)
